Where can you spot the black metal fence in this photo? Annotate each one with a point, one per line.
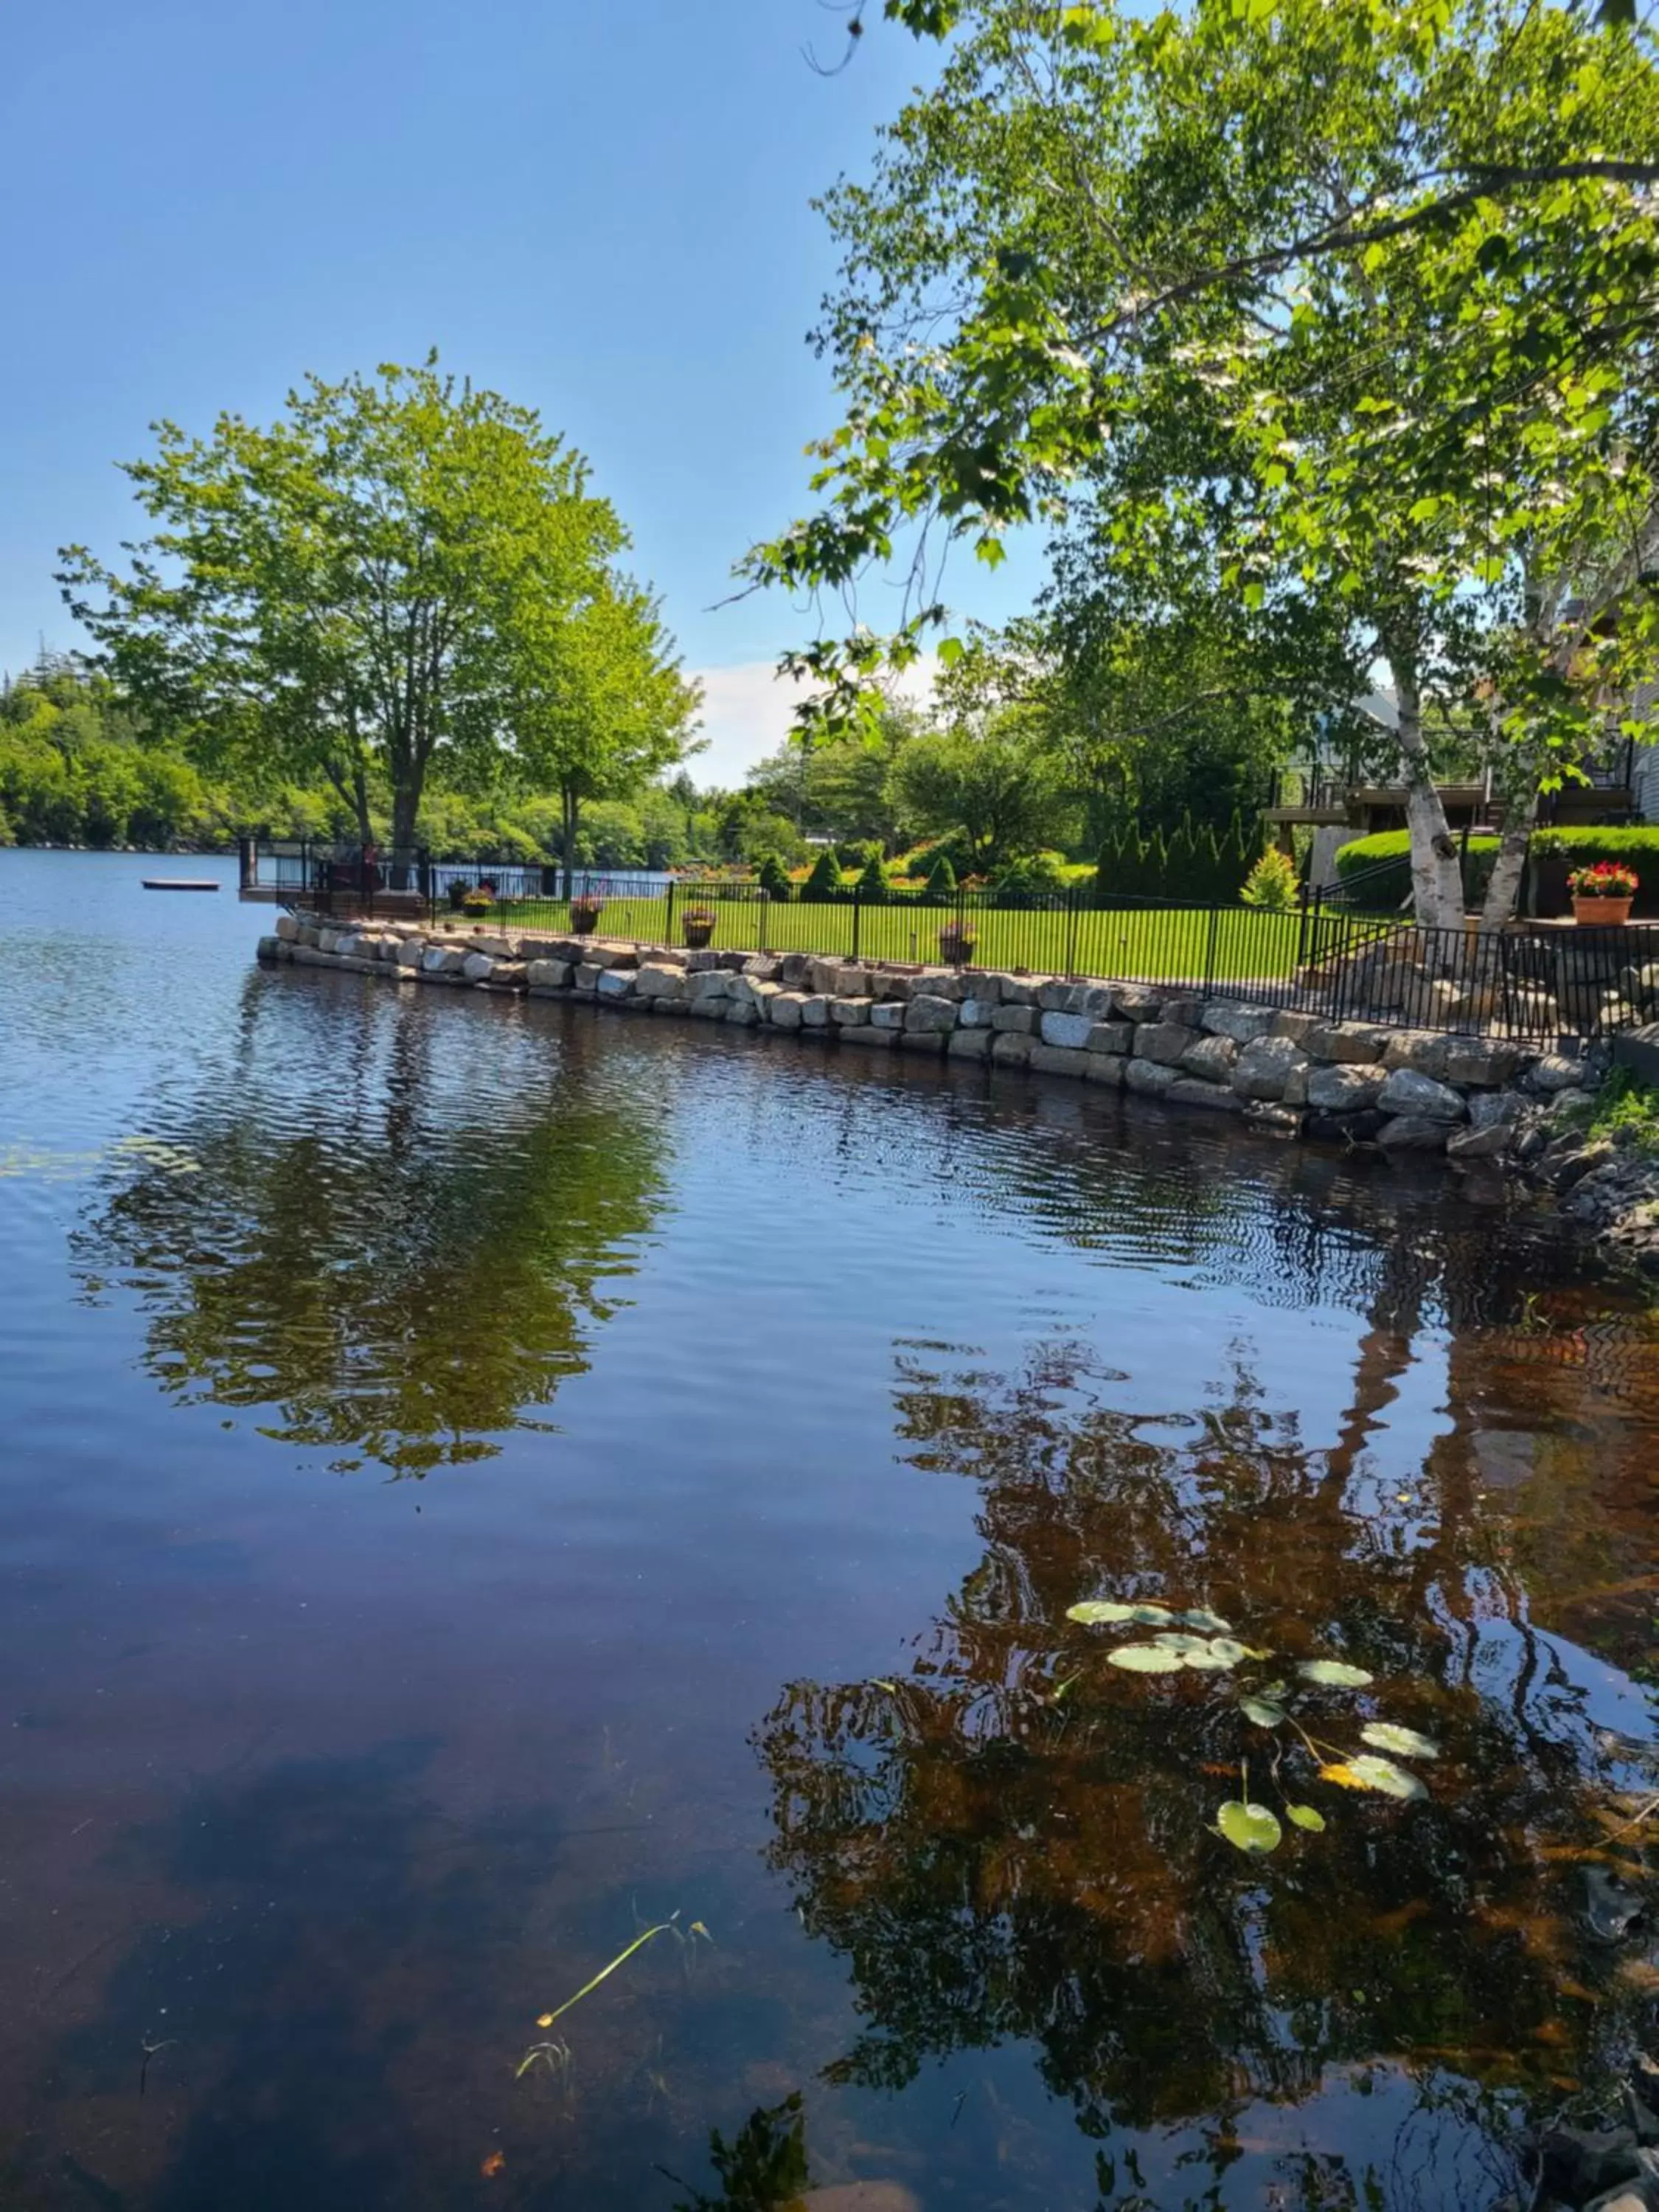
(1538, 983)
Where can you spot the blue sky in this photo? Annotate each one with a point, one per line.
(598, 207)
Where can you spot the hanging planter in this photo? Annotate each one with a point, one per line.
(1603, 895)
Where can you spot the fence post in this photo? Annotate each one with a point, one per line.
(668, 926)
(1209, 951)
(764, 904)
(858, 906)
(1070, 931)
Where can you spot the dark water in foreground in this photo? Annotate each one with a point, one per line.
(478, 1480)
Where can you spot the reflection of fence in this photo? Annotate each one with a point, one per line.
(1534, 985)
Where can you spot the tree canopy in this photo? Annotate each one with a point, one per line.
(373, 586)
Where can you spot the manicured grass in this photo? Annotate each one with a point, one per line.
(1166, 944)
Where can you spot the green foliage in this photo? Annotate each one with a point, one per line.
(774, 879)
(1272, 882)
(1031, 882)
(872, 887)
(824, 882)
(1554, 852)
(1622, 1104)
(941, 878)
(1195, 863)
(763, 2168)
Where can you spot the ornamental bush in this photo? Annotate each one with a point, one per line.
(824, 882)
(774, 878)
(872, 888)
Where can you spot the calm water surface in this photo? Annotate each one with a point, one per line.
(480, 1479)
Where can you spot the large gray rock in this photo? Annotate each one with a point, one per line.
(1150, 1078)
(976, 1013)
(1014, 1021)
(656, 980)
(617, 984)
(1059, 1059)
(711, 983)
(1107, 1068)
(1163, 1042)
(1264, 1066)
(786, 1010)
(815, 1012)
(1413, 1132)
(1137, 1002)
(546, 976)
(1115, 1037)
(1419, 1049)
(851, 1014)
(1211, 1058)
(1420, 1097)
(1019, 990)
(1287, 1023)
(1226, 1017)
(477, 967)
(930, 1014)
(1342, 1090)
(1010, 1050)
(1070, 1030)
(1489, 1143)
(1336, 1041)
(412, 952)
(887, 1014)
(288, 928)
(1492, 1109)
(970, 1044)
(1480, 1064)
(1552, 1072)
(1189, 1090)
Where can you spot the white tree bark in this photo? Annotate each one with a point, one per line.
(1437, 879)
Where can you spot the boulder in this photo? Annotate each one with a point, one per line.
(1489, 1107)
(1014, 1021)
(1479, 1064)
(288, 929)
(928, 1041)
(786, 1010)
(1191, 1091)
(930, 1014)
(658, 980)
(1010, 1050)
(1336, 1041)
(1115, 1037)
(1490, 1143)
(851, 1014)
(1419, 1097)
(1057, 1058)
(976, 1013)
(1264, 1066)
(1419, 1049)
(1211, 1059)
(1150, 1078)
(1552, 1071)
(742, 1013)
(1163, 1042)
(1107, 1068)
(1298, 1027)
(616, 984)
(970, 1044)
(545, 976)
(587, 977)
(477, 967)
(1066, 1029)
(1340, 1089)
(1137, 1002)
(887, 1014)
(1187, 1011)
(1273, 1121)
(412, 952)
(1413, 1132)
(815, 1012)
(1019, 990)
(1225, 1018)
(882, 1040)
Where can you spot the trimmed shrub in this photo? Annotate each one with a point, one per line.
(825, 884)
(941, 879)
(1557, 853)
(1392, 891)
(872, 888)
(1027, 883)
(1272, 883)
(773, 878)
(1195, 863)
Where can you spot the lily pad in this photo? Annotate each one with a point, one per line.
(1305, 1816)
(1152, 1616)
(1334, 1673)
(1212, 1658)
(1145, 1659)
(1100, 1611)
(1378, 1774)
(1388, 1736)
(1253, 1828)
(1261, 1711)
(1228, 1651)
(1175, 1639)
(1212, 1623)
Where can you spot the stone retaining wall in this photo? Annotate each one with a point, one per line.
(1288, 1074)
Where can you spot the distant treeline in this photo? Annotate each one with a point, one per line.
(1195, 863)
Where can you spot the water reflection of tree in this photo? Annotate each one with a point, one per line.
(998, 1858)
(398, 1264)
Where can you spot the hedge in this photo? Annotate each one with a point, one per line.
(1194, 863)
(1554, 853)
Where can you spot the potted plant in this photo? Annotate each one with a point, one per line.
(456, 892)
(585, 912)
(957, 941)
(478, 900)
(697, 924)
(1603, 893)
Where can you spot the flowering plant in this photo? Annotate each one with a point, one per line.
(1607, 879)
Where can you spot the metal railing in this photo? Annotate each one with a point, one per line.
(1536, 984)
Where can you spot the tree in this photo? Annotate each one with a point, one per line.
(598, 702)
(349, 592)
(1293, 227)
(987, 777)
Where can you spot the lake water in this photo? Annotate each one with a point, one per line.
(483, 1479)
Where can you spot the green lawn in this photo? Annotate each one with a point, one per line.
(1168, 944)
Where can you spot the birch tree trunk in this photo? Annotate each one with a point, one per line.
(1437, 879)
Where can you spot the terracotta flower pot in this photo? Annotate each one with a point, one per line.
(955, 946)
(1601, 913)
(585, 915)
(698, 930)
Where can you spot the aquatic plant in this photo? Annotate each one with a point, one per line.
(1250, 1827)
(556, 2054)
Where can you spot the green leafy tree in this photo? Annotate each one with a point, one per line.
(353, 592)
